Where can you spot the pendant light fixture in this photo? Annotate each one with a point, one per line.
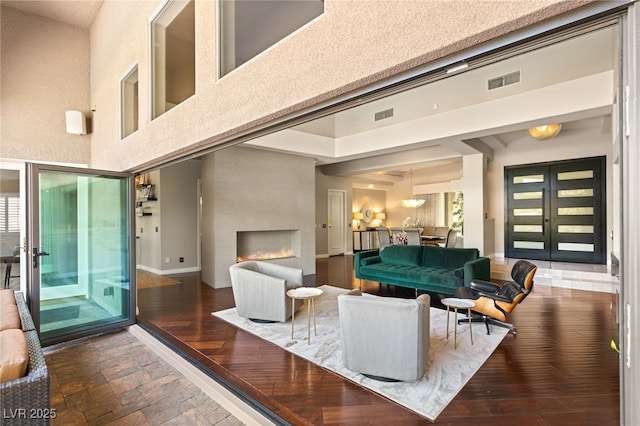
(412, 203)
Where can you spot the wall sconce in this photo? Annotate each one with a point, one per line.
(357, 216)
(545, 132)
(76, 122)
(381, 217)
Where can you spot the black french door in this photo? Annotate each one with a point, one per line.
(557, 211)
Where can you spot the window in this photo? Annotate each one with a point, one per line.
(248, 27)
(129, 103)
(9, 214)
(173, 56)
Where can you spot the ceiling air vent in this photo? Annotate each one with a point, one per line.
(387, 113)
(504, 80)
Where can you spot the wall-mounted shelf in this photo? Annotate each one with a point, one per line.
(144, 193)
(140, 210)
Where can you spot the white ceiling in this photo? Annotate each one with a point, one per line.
(340, 141)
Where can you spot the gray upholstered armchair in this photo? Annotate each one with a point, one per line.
(260, 290)
(385, 338)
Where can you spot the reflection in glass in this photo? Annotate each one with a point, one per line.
(576, 229)
(533, 245)
(527, 228)
(569, 193)
(84, 279)
(575, 211)
(534, 195)
(527, 212)
(582, 174)
(576, 247)
(528, 179)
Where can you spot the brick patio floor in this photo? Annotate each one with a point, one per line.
(115, 379)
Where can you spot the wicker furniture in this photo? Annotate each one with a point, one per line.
(26, 400)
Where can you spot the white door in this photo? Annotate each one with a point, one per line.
(337, 222)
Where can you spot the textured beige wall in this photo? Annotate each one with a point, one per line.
(353, 44)
(45, 71)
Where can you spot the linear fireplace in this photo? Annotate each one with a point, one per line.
(267, 245)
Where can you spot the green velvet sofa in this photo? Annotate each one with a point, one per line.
(434, 269)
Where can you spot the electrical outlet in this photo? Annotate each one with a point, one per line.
(167, 260)
(182, 260)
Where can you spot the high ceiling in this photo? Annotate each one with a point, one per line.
(434, 125)
(79, 13)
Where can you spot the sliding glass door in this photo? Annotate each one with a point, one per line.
(80, 251)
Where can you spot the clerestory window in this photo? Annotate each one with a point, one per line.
(129, 103)
(248, 27)
(173, 56)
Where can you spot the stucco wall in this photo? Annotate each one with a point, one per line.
(352, 44)
(44, 72)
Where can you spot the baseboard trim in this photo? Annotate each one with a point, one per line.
(168, 271)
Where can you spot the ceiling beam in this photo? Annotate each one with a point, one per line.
(402, 159)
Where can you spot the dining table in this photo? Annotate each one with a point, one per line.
(432, 239)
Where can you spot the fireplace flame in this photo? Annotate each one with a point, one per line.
(261, 255)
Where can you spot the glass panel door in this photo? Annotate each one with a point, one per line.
(578, 211)
(557, 211)
(80, 251)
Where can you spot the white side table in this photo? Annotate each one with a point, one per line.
(309, 294)
(455, 303)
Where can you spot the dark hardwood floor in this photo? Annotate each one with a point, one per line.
(557, 370)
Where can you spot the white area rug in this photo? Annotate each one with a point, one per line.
(448, 370)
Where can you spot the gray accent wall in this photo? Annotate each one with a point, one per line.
(246, 189)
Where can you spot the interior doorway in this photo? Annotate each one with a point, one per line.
(336, 200)
(555, 211)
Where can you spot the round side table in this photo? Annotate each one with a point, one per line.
(455, 303)
(309, 294)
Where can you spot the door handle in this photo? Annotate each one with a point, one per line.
(36, 255)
